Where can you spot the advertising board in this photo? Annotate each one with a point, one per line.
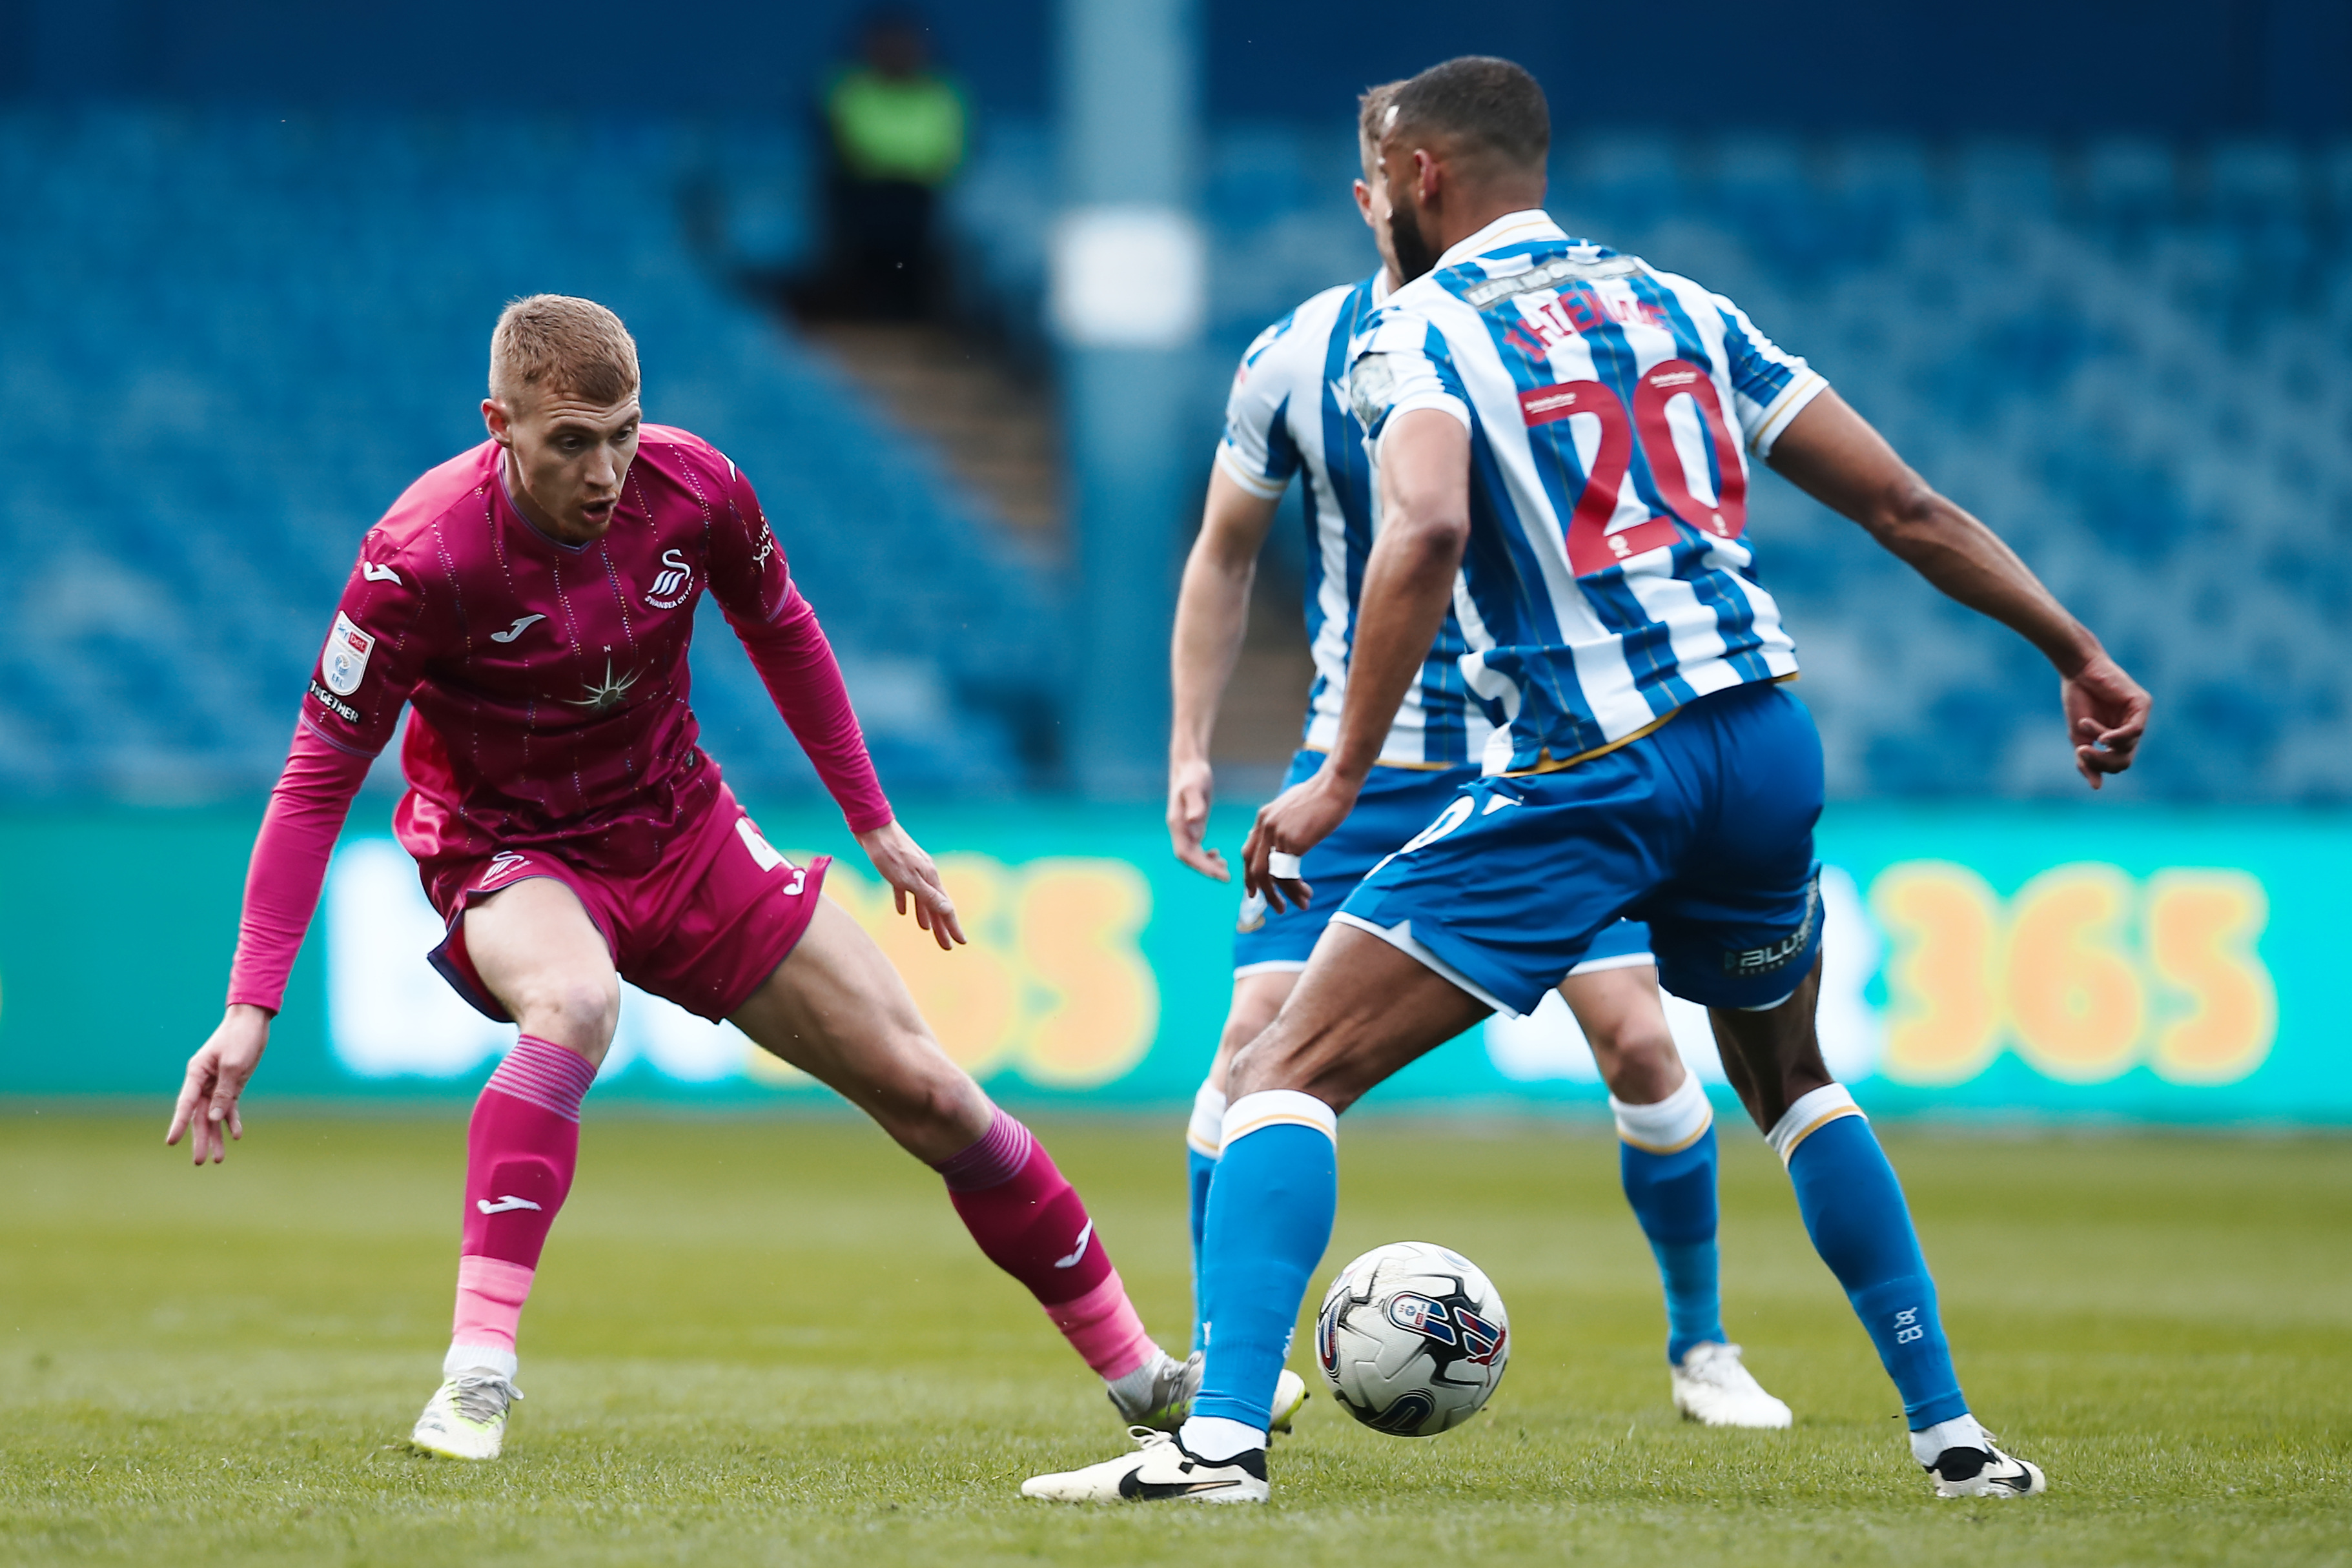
(2095, 962)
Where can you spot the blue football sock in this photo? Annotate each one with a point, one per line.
(1269, 1219)
(1666, 1157)
(1197, 1168)
(1854, 1211)
(1674, 1198)
(1203, 1139)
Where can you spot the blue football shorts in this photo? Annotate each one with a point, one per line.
(1395, 804)
(1702, 829)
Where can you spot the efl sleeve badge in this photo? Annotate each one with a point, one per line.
(344, 663)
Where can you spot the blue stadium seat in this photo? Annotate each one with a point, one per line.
(233, 340)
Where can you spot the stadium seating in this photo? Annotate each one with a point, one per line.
(232, 340)
(2133, 359)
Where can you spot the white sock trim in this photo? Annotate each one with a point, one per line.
(1962, 1431)
(1274, 1107)
(1207, 1132)
(1217, 1438)
(1808, 1116)
(1669, 1125)
(479, 1358)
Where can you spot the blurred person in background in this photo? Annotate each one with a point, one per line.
(895, 133)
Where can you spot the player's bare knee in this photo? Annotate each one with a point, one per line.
(579, 1011)
(1287, 1057)
(1640, 1062)
(1242, 1025)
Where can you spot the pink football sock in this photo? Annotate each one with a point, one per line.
(520, 1151)
(1033, 1225)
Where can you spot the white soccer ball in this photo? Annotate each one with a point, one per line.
(1413, 1339)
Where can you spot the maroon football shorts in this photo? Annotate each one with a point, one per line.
(705, 928)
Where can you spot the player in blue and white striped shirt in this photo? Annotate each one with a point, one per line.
(1561, 437)
(1288, 417)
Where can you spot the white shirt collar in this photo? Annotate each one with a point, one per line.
(1380, 289)
(1511, 228)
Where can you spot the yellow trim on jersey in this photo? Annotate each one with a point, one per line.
(1794, 399)
(1385, 762)
(1257, 484)
(1543, 766)
(1816, 1124)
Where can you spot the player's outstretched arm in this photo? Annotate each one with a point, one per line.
(911, 876)
(217, 1075)
(1408, 582)
(1834, 454)
(1212, 616)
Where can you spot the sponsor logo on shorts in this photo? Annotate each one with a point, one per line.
(1765, 960)
(334, 705)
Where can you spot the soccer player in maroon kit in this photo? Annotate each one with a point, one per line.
(532, 601)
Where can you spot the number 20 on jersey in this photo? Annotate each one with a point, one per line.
(1591, 547)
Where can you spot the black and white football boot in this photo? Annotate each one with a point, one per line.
(1159, 1471)
(1984, 1472)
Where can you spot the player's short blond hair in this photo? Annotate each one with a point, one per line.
(1372, 119)
(554, 342)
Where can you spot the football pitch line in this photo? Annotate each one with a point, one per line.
(770, 1341)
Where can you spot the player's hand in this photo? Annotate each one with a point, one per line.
(2106, 713)
(911, 874)
(1192, 787)
(1290, 825)
(217, 1074)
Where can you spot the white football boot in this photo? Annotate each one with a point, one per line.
(1174, 1383)
(1713, 1388)
(1984, 1472)
(1159, 1471)
(467, 1416)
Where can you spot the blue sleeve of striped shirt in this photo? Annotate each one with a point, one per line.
(1768, 384)
(1256, 451)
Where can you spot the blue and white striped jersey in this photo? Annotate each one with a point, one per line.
(1288, 410)
(1611, 408)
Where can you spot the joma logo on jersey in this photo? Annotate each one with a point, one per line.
(669, 589)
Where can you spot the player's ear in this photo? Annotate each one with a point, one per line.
(1426, 173)
(1364, 201)
(494, 417)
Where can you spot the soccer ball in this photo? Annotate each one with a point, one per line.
(1413, 1339)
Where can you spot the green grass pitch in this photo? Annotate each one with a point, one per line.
(770, 1342)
